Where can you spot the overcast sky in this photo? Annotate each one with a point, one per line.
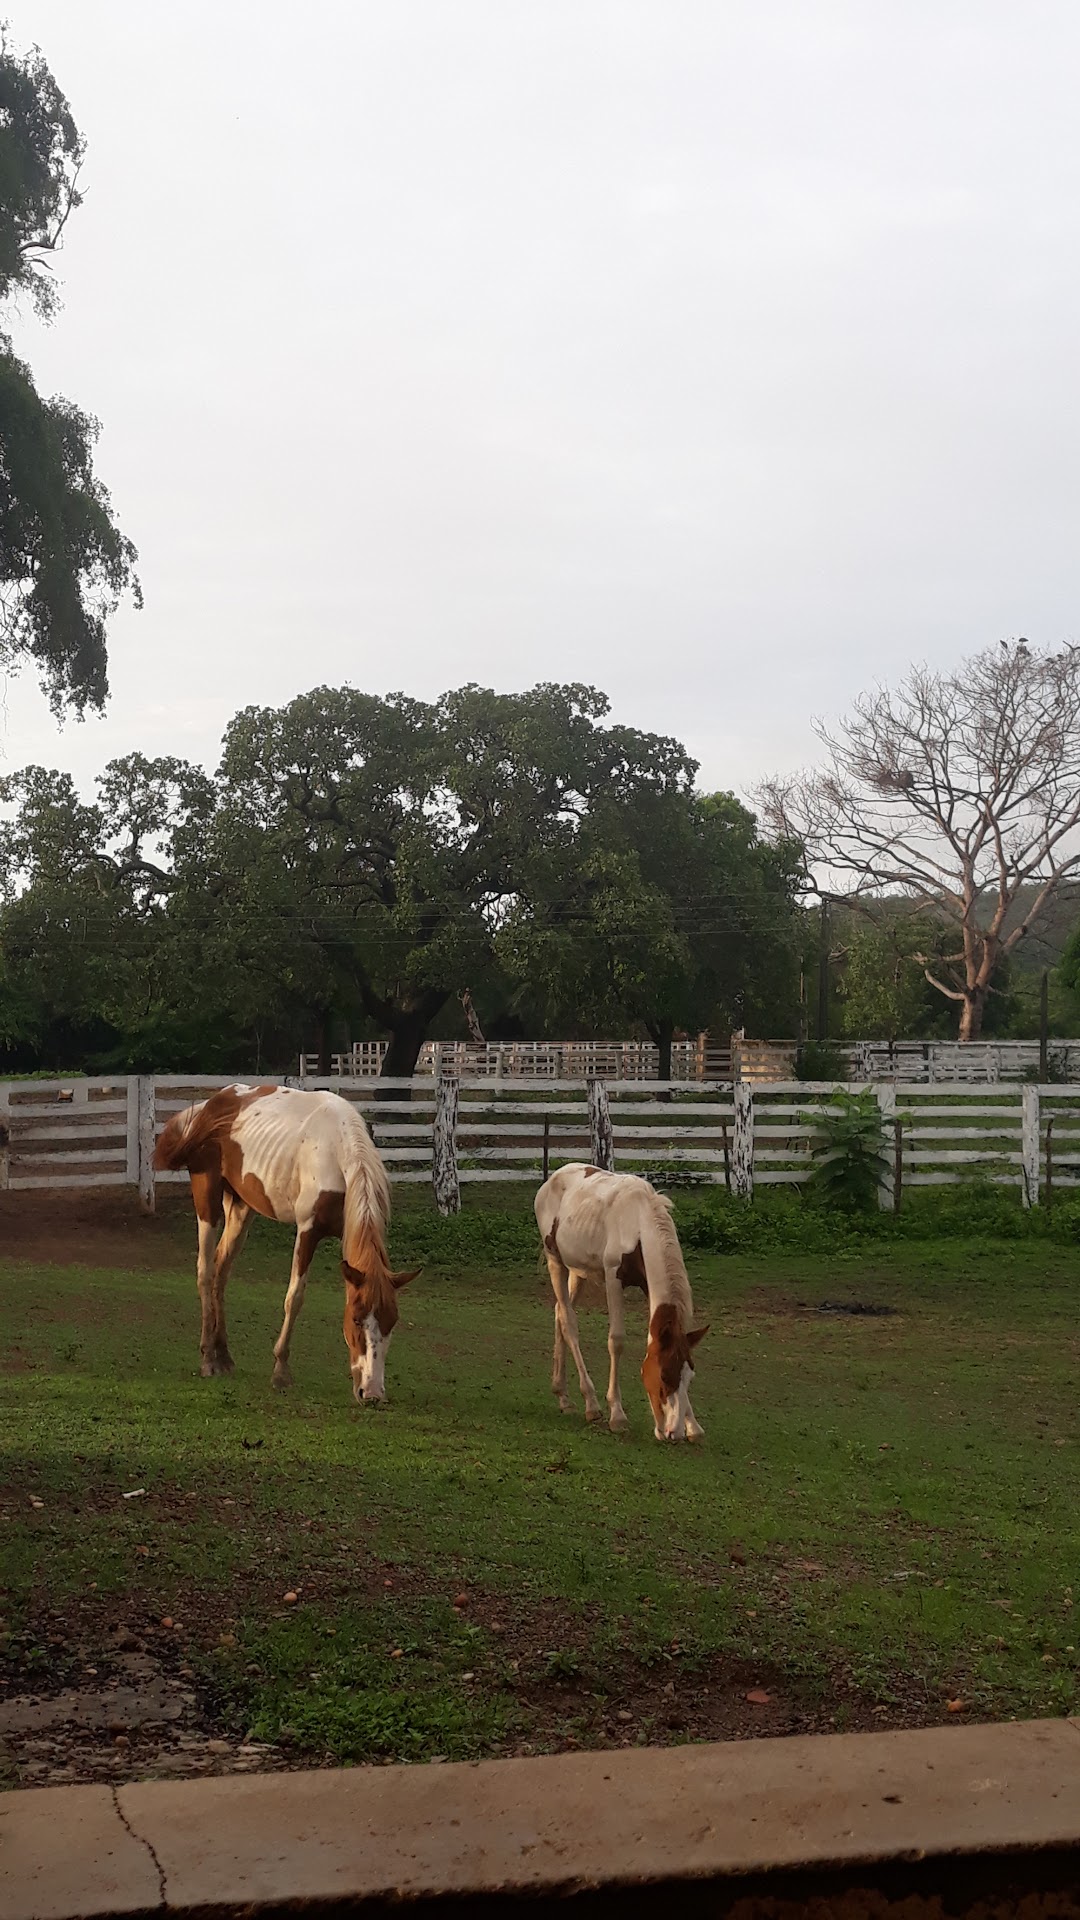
(722, 355)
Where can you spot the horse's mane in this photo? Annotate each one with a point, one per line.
(678, 1284)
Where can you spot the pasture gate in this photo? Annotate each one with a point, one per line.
(100, 1132)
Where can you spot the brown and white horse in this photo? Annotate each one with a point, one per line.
(306, 1158)
(616, 1228)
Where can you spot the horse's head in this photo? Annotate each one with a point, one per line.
(667, 1370)
(371, 1314)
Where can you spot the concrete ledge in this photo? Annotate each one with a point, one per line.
(869, 1818)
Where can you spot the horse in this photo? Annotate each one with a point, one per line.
(306, 1158)
(615, 1227)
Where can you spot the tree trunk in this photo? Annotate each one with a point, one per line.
(662, 1033)
(399, 1061)
(322, 1042)
(971, 1016)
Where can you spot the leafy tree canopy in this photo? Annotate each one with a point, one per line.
(64, 564)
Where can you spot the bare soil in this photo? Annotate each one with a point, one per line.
(76, 1228)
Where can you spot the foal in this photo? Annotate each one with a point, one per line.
(302, 1157)
(616, 1228)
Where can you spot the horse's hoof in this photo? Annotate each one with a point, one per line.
(281, 1378)
(619, 1423)
(593, 1416)
(211, 1368)
(226, 1363)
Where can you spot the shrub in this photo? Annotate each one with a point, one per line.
(849, 1154)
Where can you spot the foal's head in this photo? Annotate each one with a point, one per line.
(667, 1370)
(371, 1314)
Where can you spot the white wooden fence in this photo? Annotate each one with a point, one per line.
(453, 1131)
(703, 1060)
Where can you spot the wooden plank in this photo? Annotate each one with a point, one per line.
(959, 1158)
(77, 1155)
(111, 1129)
(24, 1182)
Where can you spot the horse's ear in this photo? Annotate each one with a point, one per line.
(352, 1276)
(402, 1279)
(699, 1334)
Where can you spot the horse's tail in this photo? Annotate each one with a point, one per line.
(367, 1203)
(181, 1136)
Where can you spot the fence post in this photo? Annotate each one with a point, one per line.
(444, 1167)
(5, 1138)
(1029, 1147)
(147, 1137)
(603, 1143)
(742, 1151)
(886, 1099)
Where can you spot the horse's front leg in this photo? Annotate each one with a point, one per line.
(613, 1287)
(306, 1242)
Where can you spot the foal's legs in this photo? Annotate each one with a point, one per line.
(237, 1218)
(566, 1325)
(616, 1341)
(307, 1239)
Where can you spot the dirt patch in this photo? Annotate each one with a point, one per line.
(110, 1688)
(105, 1703)
(72, 1227)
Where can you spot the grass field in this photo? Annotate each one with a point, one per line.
(881, 1527)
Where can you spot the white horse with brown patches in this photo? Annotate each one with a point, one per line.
(306, 1158)
(616, 1228)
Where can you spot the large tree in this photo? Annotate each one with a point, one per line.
(391, 839)
(64, 564)
(957, 794)
(674, 914)
(96, 964)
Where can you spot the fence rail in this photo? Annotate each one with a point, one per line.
(457, 1130)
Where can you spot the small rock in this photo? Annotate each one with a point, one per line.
(624, 1716)
(227, 1639)
(291, 1598)
(121, 1740)
(167, 1621)
(218, 1746)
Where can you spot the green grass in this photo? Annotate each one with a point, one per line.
(882, 1518)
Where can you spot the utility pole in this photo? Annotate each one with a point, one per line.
(823, 973)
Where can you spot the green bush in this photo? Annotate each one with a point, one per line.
(849, 1154)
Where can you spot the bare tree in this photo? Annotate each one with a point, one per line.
(959, 793)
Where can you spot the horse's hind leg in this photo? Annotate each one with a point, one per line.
(558, 1367)
(567, 1325)
(303, 1252)
(237, 1220)
(206, 1195)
